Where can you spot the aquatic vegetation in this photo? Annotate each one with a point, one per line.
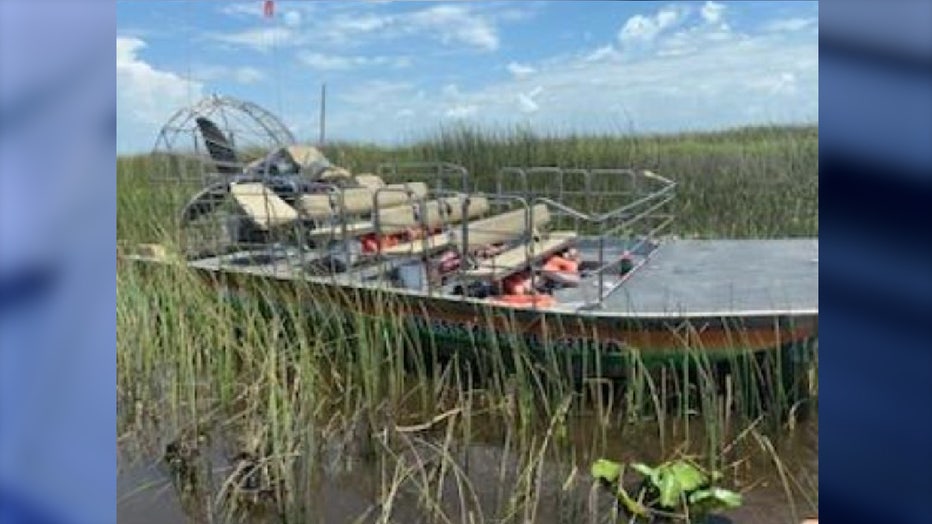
(676, 489)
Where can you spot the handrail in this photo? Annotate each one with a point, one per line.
(607, 215)
(627, 215)
(440, 169)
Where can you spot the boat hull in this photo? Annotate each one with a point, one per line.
(590, 342)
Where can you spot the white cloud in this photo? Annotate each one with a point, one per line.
(691, 39)
(456, 24)
(324, 62)
(292, 16)
(790, 24)
(258, 38)
(366, 23)
(520, 70)
(242, 9)
(373, 92)
(146, 96)
(712, 12)
(670, 68)
(701, 75)
(462, 111)
(218, 73)
(526, 102)
(248, 75)
(640, 28)
(352, 26)
(601, 53)
(776, 84)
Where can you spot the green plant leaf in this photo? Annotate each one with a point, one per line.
(715, 498)
(607, 470)
(643, 469)
(670, 489)
(652, 474)
(688, 476)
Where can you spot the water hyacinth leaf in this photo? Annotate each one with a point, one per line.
(644, 469)
(688, 476)
(606, 470)
(651, 473)
(715, 498)
(670, 490)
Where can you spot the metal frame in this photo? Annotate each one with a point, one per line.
(651, 193)
(591, 201)
(641, 214)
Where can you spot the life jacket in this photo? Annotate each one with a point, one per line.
(562, 265)
(541, 301)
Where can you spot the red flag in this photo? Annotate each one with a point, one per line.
(268, 9)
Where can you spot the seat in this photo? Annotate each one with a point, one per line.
(503, 227)
(356, 200)
(481, 233)
(520, 257)
(369, 180)
(437, 213)
(266, 209)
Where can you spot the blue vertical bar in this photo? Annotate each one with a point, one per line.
(57, 262)
(875, 198)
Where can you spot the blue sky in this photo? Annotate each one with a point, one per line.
(396, 71)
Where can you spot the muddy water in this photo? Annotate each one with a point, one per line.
(347, 488)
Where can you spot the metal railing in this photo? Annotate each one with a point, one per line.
(440, 176)
(634, 204)
(601, 204)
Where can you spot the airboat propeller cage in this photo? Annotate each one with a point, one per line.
(244, 126)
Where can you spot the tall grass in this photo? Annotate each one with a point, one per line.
(257, 405)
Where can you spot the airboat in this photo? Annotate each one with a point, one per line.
(576, 261)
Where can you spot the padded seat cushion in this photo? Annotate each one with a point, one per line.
(262, 205)
(520, 257)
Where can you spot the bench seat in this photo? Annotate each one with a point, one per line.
(520, 257)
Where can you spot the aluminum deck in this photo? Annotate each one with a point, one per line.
(713, 277)
(723, 276)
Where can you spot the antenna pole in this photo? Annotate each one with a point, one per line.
(323, 111)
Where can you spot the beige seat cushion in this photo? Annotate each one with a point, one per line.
(336, 176)
(262, 205)
(420, 246)
(357, 200)
(396, 219)
(306, 156)
(478, 206)
(438, 213)
(520, 257)
(503, 227)
(369, 180)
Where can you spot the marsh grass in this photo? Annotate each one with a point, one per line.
(264, 400)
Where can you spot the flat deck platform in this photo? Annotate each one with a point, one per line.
(723, 276)
(692, 277)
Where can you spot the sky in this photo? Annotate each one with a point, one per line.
(398, 71)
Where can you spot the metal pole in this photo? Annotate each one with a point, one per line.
(323, 111)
